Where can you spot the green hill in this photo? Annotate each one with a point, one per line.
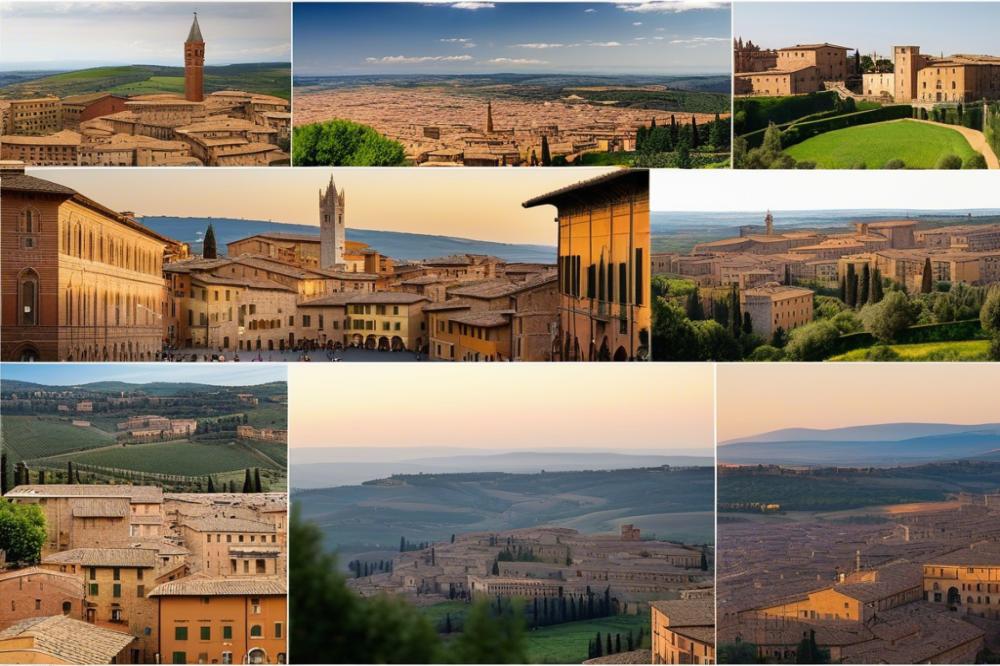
(269, 78)
(673, 504)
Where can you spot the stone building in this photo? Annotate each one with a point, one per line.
(773, 306)
(957, 79)
(35, 591)
(966, 580)
(58, 639)
(80, 282)
(232, 547)
(225, 621)
(683, 631)
(603, 254)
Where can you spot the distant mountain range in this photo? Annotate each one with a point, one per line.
(154, 388)
(872, 445)
(312, 469)
(395, 244)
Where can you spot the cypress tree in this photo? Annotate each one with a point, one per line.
(877, 293)
(247, 483)
(598, 650)
(694, 132)
(41, 477)
(546, 156)
(208, 245)
(3, 474)
(618, 643)
(735, 317)
(852, 286)
(608, 646)
(257, 486)
(927, 283)
(211, 485)
(865, 286)
(747, 324)
(402, 544)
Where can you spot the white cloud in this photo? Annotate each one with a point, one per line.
(589, 11)
(464, 41)
(605, 44)
(671, 6)
(408, 60)
(637, 23)
(517, 61)
(699, 41)
(469, 4)
(539, 45)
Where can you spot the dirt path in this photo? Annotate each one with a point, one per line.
(975, 138)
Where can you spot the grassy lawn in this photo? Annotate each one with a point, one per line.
(268, 416)
(920, 146)
(436, 613)
(567, 643)
(29, 437)
(963, 350)
(182, 457)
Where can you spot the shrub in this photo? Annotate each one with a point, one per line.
(812, 342)
(994, 351)
(766, 353)
(847, 322)
(949, 162)
(890, 316)
(894, 164)
(859, 165)
(976, 161)
(344, 143)
(989, 315)
(756, 113)
(881, 353)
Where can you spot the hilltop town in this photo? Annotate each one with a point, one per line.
(776, 281)
(439, 126)
(562, 576)
(222, 128)
(129, 293)
(916, 583)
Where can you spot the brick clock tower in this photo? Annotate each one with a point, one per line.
(194, 64)
(332, 232)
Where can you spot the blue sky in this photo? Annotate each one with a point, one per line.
(66, 374)
(665, 37)
(77, 35)
(937, 27)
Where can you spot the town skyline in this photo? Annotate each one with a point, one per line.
(290, 197)
(44, 35)
(485, 37)
(912, 23)
(145, 373)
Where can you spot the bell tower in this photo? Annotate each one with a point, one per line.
(332, 232)
(489, 117)
(194, 64)
(769, 223)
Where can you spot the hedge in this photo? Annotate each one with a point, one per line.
(801, 131)
(991, 127)
(951, 331)
(756, 113)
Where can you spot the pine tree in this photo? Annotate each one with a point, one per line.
(208, 245)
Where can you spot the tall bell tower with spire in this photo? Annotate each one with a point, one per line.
(194, 64)
(489, 117)
(332, 232)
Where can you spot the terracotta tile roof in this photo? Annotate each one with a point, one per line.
(629, 178)
(104, 557)
(632, 657)
(137, 494)
(199, 586)
(389, 297)
(69, 640)
(688, 612)
(100, 508)
(484, 319)
(224, 524)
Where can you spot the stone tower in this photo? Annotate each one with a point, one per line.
(769, 223)
(489, 117)
(332, 234)
(907, 61)
(194, 64)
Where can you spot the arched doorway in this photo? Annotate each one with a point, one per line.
(383, 343)
(605, 352)
(621, 354)
(371, 342)
(397, 343)
(28, 354)
(256, 656)
(954, 598)
(357, 340)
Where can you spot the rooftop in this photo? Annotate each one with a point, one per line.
(71, 641)
(199, 586)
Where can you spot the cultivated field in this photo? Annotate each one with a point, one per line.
(918, 145)
(180, 457)
(27, 437)
(567, 643)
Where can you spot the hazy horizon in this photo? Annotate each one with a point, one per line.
(642, 407)
(77, 374)
(757, 398)
(49, 34)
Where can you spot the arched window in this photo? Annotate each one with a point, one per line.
(27, 297)
(256, 631)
